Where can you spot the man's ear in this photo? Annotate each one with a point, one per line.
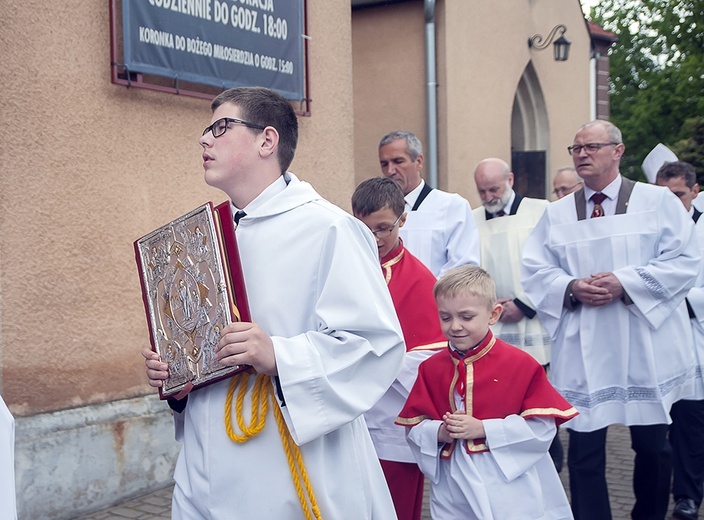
(419, 160)
(619, 150)
(270, 141)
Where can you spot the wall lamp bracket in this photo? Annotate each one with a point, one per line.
(561, 44)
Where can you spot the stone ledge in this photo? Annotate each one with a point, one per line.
(79, 460)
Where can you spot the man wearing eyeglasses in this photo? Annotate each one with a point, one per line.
(608, 269)
(293, 444)
(440, 230)
(566, 181)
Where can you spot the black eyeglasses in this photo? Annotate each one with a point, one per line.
(589, 147)
(383, 233)
(562, 189)
(220, 126)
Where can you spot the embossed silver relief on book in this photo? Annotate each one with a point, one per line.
(188, 298)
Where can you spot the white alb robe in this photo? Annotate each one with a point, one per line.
(515, 479)
(389, 438)
(502, 241)
(314, 284)
(696, 302)
(442, 233)
(8, 504)
(617, 363)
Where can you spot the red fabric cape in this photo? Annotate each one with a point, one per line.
(501, 380)
(411, 286)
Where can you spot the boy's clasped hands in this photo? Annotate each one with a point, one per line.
(459, 425)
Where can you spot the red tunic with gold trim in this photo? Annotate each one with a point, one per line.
(495, 380)
(411, 287)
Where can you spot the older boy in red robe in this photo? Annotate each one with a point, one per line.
(379, 203)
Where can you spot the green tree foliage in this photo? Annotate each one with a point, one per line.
(657, 76)
(691, 149)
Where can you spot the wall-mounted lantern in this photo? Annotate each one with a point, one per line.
(561, 44)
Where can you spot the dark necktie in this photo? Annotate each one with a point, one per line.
(597, 199)
(238, 216)
(501, 213)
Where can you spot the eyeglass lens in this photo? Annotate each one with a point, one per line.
(219, 127)
(383, 233)
(589, 147)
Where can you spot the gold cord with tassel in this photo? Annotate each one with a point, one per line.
(262, 391)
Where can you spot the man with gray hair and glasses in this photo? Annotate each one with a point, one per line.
(440, 229)
(566, 181)
(608, 268)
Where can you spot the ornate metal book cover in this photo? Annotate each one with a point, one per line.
(192, 286)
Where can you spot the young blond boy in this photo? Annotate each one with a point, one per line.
(482, 415)
(379, 203)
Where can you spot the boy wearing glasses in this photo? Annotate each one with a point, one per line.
(293, 444)
(379, 203)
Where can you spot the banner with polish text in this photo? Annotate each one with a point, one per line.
(222, 43)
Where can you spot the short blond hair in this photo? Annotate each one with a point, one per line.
(467, 279)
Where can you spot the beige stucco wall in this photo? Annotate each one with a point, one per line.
(389, 78)
(87, 167)
(482, 51)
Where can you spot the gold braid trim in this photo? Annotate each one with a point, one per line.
(386, 266)
(261, 393)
